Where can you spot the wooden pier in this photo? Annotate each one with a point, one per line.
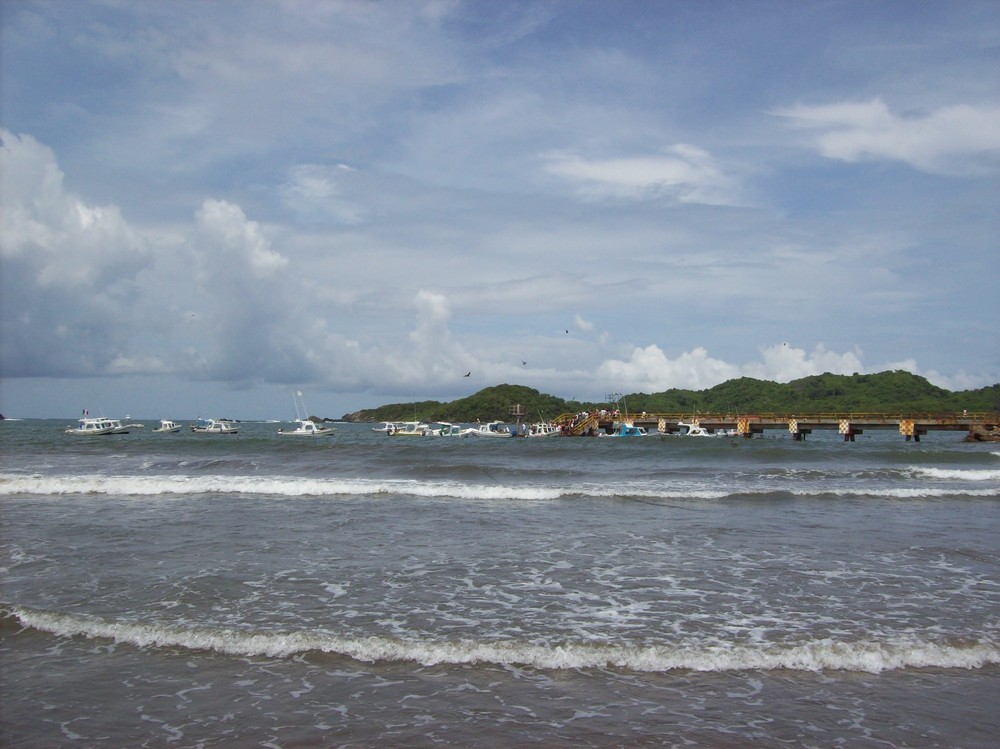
(911, 426)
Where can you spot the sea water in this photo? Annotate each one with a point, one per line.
(183, 590)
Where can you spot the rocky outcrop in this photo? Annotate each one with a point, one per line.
(982, 434)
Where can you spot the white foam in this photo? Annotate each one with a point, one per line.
(817, 655)
(290, 486)
(953, 473)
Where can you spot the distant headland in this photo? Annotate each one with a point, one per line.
(895, 391)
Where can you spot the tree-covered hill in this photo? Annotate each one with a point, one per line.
(486, 405)
(885, 392)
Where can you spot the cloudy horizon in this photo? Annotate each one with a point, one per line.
(205, 206)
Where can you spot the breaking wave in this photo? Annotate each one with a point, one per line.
(817, 655)
(959, 474)
(282, 486)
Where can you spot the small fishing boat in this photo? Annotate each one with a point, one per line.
(626, 429)
(307, 428)
(167, 426)
(695, 430)
(120, 428)
(95, 426)
(443, 429)
(492, 429)
(214, 426)
(307, 425)
(409, 429)
(543, 429)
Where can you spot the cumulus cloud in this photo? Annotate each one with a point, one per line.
(683, 172)
(649, 369)
(783, 363)
(70, 268)
(946, 140)
(227, 225)
(70, 243)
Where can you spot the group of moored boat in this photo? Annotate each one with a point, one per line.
(102, 425)
(492, 429)
(309, 428)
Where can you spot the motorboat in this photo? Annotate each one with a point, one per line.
(626, 429)
(307, 425)
(307, 428)
(95, 426)
(387, 426)
(214, 426)
(492, 429)
(120, 428)
(695, 430)
(409, 429)
(443, 429)
(545, 429)
(167, 426)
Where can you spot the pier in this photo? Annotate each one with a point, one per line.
(910, 426)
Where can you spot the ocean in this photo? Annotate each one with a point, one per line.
(255, 590)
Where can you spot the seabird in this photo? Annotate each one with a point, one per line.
(467, 374)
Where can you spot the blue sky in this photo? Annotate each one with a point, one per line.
(207, 205)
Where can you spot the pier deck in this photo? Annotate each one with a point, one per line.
(910, 425)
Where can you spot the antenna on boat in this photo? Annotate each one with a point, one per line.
(296, 397)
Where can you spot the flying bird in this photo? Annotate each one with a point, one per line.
(567, 330)
(467, 374)
(524, 363)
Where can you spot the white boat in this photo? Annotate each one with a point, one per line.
(543, 429)
(119, 427)
(387, 426)
(214, 426)
(492, 429)
(95, 426)
(307, 428)
(695, 430)
(409, 429)
(443, 429)
(167, 426)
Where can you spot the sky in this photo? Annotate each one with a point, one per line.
(208, 205)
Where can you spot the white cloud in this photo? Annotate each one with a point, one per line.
(228, 225)
(65, 241)
(783, 363)
(314, 193)
(650, 370)
(70, 269)
(953, 139)
(685, 173)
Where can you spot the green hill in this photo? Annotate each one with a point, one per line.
(486, 405)
(885, 392)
